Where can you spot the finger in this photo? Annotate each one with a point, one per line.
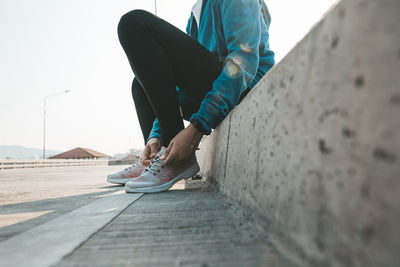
(168, 160)
(146, 153)
(167, 151)
(146, 162)
(154, 150)
(171, 159)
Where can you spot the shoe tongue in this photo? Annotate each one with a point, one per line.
(156, 162)
(161, 152)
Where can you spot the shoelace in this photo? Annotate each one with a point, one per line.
(135, 164)
(155, 165)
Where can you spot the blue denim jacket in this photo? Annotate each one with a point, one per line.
(236, 31)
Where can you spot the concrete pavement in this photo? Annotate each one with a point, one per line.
(72, 217)
(30, 197)
(196, 227)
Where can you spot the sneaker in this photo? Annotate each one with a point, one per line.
(158, 177)
(127, 174)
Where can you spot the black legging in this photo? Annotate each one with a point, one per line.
(163, 57)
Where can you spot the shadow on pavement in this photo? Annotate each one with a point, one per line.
(53, 206)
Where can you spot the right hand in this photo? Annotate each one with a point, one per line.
(151, 149)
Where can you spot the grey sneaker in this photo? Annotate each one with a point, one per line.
(127, 174)
(158, 177)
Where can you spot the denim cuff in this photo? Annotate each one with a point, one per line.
(154, 135)
(200, 125)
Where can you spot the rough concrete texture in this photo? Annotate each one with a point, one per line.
(313, 152)
(178, 228)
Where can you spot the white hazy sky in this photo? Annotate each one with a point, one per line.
(48, 46)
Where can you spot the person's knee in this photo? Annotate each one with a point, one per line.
(132, 18)
(132, 23)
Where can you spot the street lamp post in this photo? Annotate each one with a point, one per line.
(44, 120)
(155, 7)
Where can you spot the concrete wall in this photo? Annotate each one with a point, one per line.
(313, 152)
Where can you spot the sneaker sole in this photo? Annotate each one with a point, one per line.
(117, 181)
(161, 188)
(121, 181)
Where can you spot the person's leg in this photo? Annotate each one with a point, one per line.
(143, 108)
(146, 117)
(162, 56)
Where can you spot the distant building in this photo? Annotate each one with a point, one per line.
(130, 159)
(81, 153)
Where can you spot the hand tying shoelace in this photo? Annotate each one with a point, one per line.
(158, 177)
(155, 165)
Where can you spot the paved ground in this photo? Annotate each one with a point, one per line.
(177, 228)
(71, 217)
(30, 197)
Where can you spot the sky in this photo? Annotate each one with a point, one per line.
(49, 46)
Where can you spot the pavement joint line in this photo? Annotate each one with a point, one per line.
(48, 243)
(105, 225)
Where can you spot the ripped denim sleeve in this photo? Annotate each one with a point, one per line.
(242, 32)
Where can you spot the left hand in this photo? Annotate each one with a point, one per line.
(182, 146)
